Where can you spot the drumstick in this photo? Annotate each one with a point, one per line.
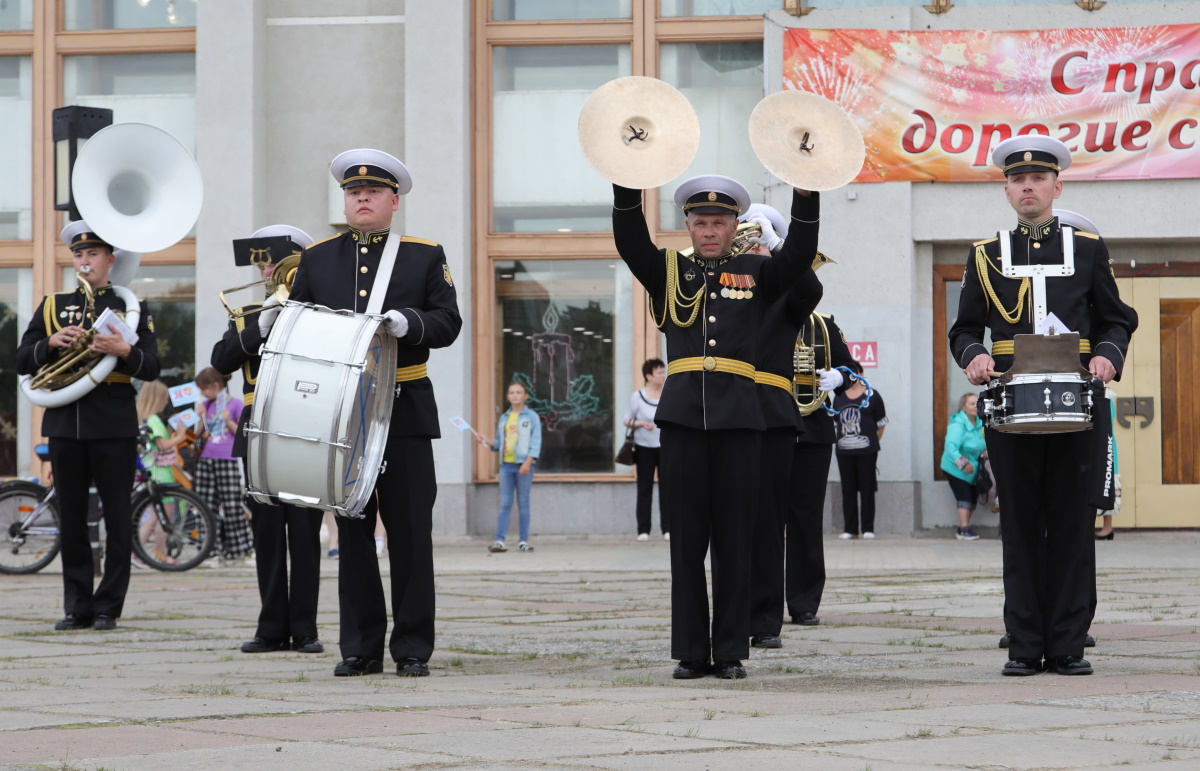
(994, 373)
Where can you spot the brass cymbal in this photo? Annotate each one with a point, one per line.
(638, 132)
(806, 140)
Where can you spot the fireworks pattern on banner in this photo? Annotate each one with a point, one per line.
(967, 79)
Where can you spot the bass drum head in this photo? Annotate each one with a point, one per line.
(368, 413)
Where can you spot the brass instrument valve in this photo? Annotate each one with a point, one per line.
(804, 360)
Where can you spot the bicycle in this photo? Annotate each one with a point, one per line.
(174, 517)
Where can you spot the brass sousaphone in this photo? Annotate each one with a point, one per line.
(139, 189)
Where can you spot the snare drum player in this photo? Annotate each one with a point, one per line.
(288, 619)
(1042, 479)
(422, 309)
(710, 306)
(93, 440)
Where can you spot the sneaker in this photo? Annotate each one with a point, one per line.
(966, 534)
(333, 554)
(524, 546)
(643, 536)
(497, 547)
(379, 544)
(137, 562)
(868, 536)
(666, 536)
(845, 536)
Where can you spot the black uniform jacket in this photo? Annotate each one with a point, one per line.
(725, 328)
(238, 347)
(776, 350)
(1087, 302)
(109, 410)
(818, 427)
(339, 272)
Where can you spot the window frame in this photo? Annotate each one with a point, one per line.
(643, 32)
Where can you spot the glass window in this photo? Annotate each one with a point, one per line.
(724, 7)
(16, 136)
(723, 81)
(159, 89)
(129, 14)
(16, 307)
(527, 10)
(16, 15)
(540, 180)
(564, 329)
(169, 292)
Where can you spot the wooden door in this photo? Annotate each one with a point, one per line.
(1158, 410)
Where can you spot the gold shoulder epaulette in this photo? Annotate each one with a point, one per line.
(415, 240)
(50, 313)
(1086, 234)
(986, 241)
(323, 240)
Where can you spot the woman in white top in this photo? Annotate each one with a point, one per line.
(640, 417)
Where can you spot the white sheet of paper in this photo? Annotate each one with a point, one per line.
(110, 323)
(1053, 322)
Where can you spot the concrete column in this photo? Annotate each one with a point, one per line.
(437, 149)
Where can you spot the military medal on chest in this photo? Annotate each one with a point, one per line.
(737, 286)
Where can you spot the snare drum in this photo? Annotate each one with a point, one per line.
(322, 405)
(1038, 404)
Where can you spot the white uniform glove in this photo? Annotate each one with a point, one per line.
(769, 238)
(830, 379)
(397, 324)
(267, 316)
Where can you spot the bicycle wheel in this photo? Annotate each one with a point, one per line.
(177, 532)
(27, 547)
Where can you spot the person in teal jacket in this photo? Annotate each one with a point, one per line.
(519, 442)
(961, 460)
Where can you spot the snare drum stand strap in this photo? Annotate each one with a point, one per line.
(384, 276)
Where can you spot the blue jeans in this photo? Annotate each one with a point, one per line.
(510, 479)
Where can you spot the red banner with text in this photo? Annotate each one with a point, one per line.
(933, 105)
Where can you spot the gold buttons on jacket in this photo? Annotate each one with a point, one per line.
(712, 295)
(1036, 245)
(711, 273)
(362, 249)
(363, 269)
(362, 293)
(711, 319)
(711, 343)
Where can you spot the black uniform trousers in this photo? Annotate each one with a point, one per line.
(1046, 527)
(766, 551)
(646, 460)
(404, 498)
(805, 557)
(709, 485)
(289, 608)
(110, 465)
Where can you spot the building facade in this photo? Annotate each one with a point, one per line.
(480, 99)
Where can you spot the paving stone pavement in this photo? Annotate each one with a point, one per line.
(559, 659)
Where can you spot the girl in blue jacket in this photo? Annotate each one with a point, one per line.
(519, 442)
(961, 460)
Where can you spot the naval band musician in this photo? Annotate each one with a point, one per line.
(422, 309)
(288, 618)
(709, 306)
(1042, 479)
(93, 440)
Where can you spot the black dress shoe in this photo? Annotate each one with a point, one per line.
(728, 670)
(1070, 665)
(1005, 640)
(1089, 641)
(766, 641)
(104, 622)
(690, 670)
(264, 645)
(412, 668)
(1106, 537)
(73, 621)
(307, 645)
(1022, 667)
(806, 619)
(353, 666)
